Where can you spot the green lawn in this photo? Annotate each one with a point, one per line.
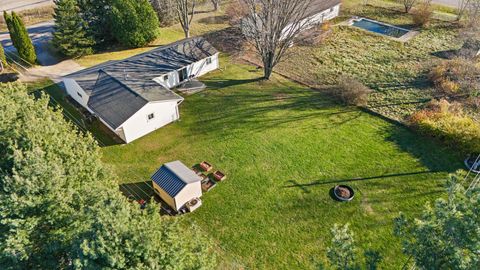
(283, 148)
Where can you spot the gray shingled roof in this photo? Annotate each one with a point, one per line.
(172, 177)
(318, 6)
(118, 89)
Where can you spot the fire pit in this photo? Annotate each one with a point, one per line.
(343, 193)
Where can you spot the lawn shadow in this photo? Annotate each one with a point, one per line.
(138, 191)
(214, 19)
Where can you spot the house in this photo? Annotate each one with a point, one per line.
(177, 185)
(319, 12)
(133, 97)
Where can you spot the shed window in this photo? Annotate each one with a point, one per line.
(209, 61)
(165, 78)
(150, 116)
(80, 95)
(332, 9)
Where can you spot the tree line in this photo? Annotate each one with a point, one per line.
(61, 207)
(82, 26)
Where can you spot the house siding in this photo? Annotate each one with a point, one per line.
(195, 70)
(73, 89)
(139, 125)
(164, 195)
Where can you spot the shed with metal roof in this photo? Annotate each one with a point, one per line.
(176, 184)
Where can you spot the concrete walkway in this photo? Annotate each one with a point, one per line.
(51, 66)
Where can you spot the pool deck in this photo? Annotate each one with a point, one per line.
(408, 36)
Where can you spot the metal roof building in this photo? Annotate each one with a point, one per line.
(176, 184)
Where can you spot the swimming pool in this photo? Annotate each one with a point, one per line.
(380, 28)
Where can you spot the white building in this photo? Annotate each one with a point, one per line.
(177, 185)
(132, 97)
(319, 11)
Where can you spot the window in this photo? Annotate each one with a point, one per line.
(165, 78)
(209, 61)
(332, 9)
(80, 95)
(150, 116)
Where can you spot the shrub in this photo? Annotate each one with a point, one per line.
(235, 11)
(351, 91)
(136, 22)
(166, 12)
(422, 15)
(456, 77)
(447, 122)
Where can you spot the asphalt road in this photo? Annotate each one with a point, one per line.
(17, 5)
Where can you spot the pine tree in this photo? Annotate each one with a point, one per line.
(22, 42)
(70, 35)
(3, 59)
(446, 236)
(136, 22)
(11, 29)
(61, 208)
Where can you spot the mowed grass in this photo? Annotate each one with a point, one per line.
(283, 147)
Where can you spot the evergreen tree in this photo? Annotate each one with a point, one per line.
(96, 15)
(136, 21)
(21, 40)
(3, 59)
(70, 35)
(446, 236)
(60, 207)
(11, 29)
(341, 253)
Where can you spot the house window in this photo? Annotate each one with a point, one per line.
(150, 116)
(165, 78)
(80, 95)
(209, 61)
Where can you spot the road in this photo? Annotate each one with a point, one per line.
(450, 3)
(17, 5)
(50, 65)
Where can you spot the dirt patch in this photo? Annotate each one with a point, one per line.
(367, 206)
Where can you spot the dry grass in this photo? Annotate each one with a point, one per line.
(31, 16)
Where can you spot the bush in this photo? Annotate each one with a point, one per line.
(136, 22)
(350, 91)
(447, 122)
(235, 11)
(456, 77)
(422, 15)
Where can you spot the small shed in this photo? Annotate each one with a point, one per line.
(176, 184)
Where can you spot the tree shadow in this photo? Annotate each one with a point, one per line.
(214, 19)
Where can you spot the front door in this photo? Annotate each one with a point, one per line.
(182, 74)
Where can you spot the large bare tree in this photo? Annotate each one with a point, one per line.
(272, 26)
(216, 4)
(185, 12)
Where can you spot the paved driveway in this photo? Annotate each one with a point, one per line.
(17, 5)
(50, 65)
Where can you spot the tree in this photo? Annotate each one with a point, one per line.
(96, 14)
(136, 22)
(20, 39)
(446, 235)
(216, 4)
(61, 208)
(70, 36)
(3, 59)
(408, 4)
(185, 13)
(272, 27)
(166, 11)
(341, 253)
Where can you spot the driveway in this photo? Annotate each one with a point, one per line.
(51, 66)
(450, 3)
(16, 5)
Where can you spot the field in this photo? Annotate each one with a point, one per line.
(283, 148)
(396, 71)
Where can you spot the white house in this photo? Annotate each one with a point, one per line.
(177, 185)
(132, 97)
(319, 11)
